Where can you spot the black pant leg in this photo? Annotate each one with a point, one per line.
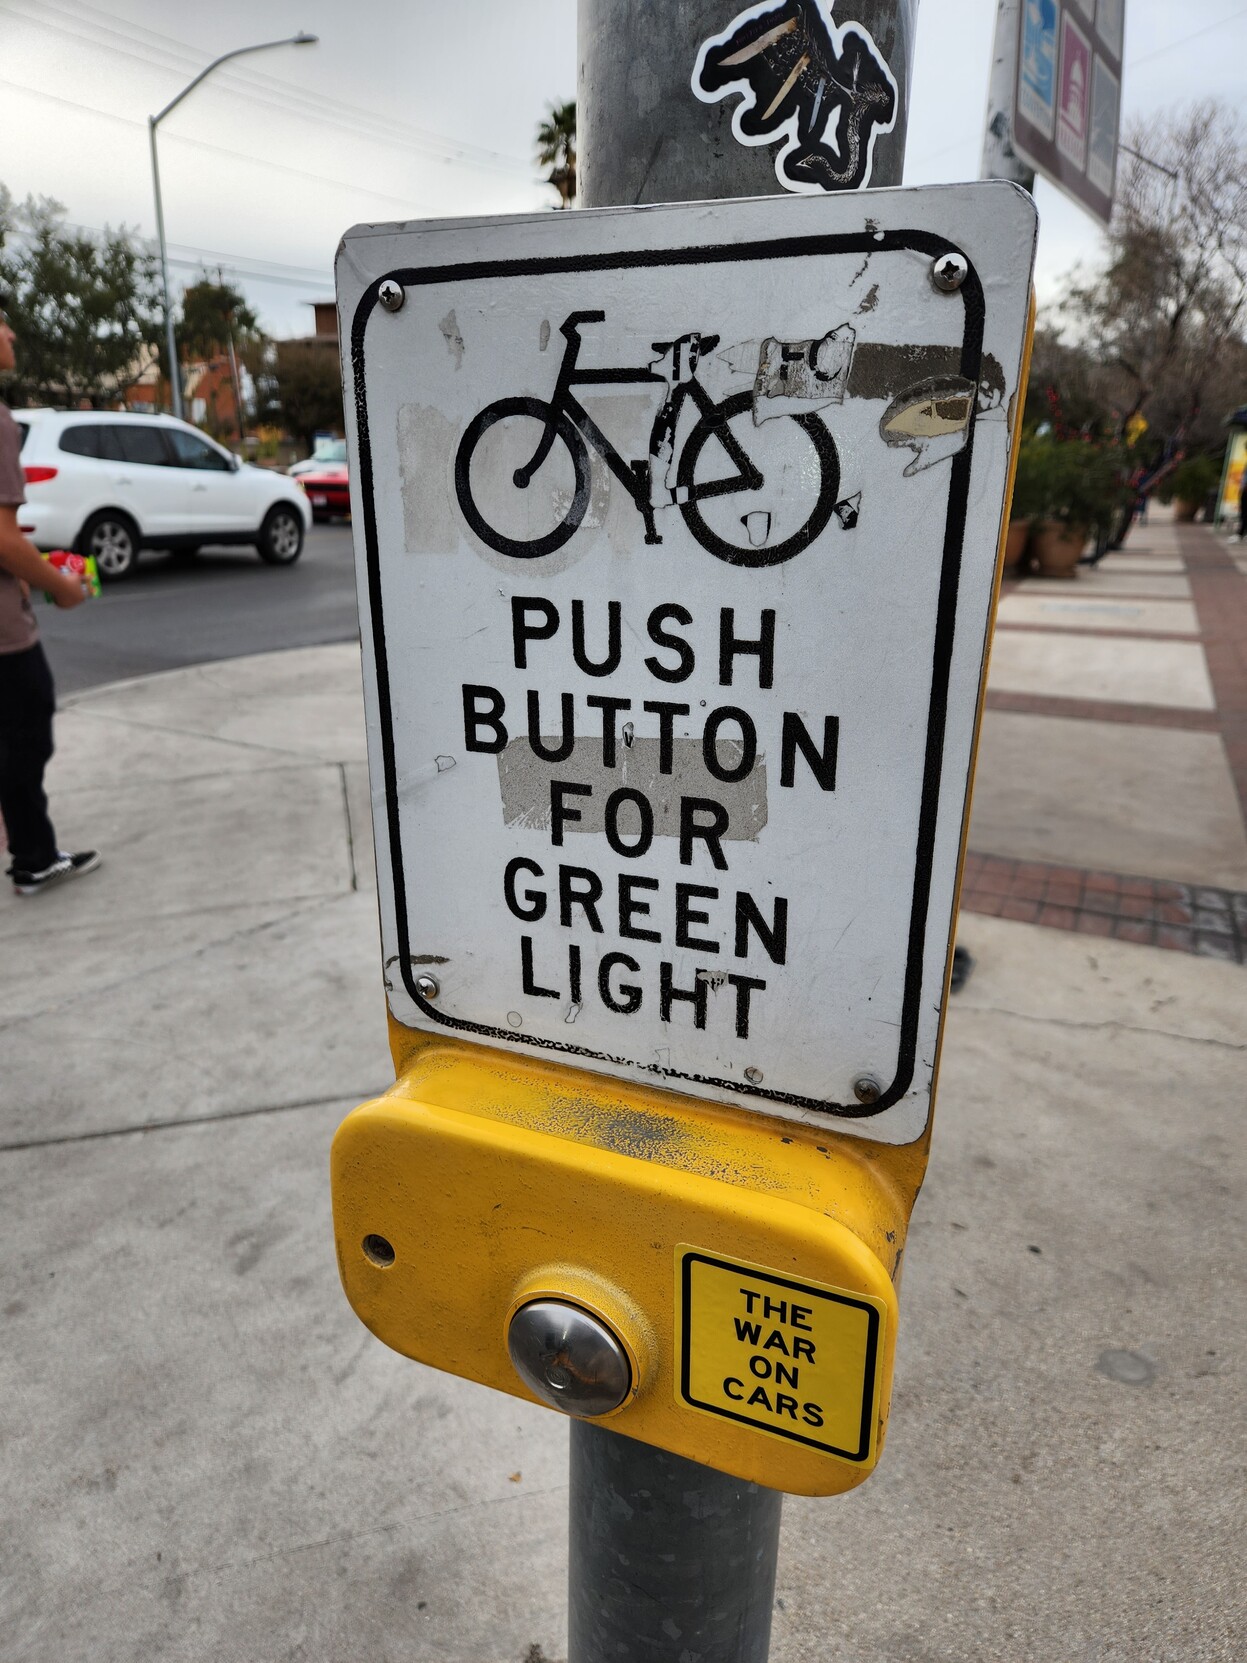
(27, 705)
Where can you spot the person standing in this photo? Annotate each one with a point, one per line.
(27, 695)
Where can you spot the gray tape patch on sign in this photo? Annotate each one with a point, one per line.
(524, 781)
(426, 460)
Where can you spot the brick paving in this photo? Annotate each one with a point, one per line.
(1190, 918)
(1151, 910)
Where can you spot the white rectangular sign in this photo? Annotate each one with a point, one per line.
(676, 533)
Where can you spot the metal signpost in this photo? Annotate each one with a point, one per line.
(677, 534)
(1055, 96)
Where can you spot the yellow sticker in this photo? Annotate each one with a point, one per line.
(796, 1359)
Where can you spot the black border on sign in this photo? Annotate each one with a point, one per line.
(925, 243)
(862, 1451)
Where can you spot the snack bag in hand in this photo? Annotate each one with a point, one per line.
(82, 564)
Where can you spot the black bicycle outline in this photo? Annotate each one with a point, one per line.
(563, 417)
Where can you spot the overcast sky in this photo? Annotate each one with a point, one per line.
(406, 109)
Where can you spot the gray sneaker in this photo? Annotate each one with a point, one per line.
(63, 867)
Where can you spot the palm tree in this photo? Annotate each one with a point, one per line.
(556, 149)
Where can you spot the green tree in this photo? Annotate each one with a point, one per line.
(306, 389)
(556, 149)
(1165, 318)
(86, 309)
(214, 318)
(217, 324)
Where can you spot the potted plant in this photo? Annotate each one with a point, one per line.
(1192, 481)
(1078, 487)
(1025, 504)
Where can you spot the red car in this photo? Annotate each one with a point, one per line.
(323, 477)
(328, 491)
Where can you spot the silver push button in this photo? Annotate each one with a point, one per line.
(568, 1358)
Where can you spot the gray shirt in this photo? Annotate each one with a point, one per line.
(18, 629)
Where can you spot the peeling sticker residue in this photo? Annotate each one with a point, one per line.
(427, 772)
(449, 327)
(758, 526)
(932, 419)
(870, 299)
(848, 510)
(543, 335)
(882, 371)
(798, 376)
(418, 958)
(426, 450)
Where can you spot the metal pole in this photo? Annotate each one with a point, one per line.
(175, 373)
(642, 134)
(1000, 159)
(666, 1559)
(153, 121)
(669, 1559)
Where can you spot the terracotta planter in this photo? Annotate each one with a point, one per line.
(1183, 510)
(1057, 547)
(1016, 540)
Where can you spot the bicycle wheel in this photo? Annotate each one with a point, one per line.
(796, 500)
(542, 513)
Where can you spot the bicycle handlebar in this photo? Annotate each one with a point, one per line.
(571, 323)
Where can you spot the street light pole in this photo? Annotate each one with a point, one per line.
(153, 121)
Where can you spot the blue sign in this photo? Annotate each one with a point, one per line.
(1037, 67)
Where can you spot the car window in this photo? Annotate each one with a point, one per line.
(23, 430)
(329, 450)
(190, 451)
(83, 440)
(143, 444)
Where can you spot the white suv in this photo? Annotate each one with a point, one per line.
(109, 483)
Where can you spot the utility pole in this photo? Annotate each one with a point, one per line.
(669, 1558)
(642, 135)
(233, 363)
(1000, 159)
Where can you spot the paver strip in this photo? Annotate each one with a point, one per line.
(1157, 912)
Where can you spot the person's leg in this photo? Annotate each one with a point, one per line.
(27, 704)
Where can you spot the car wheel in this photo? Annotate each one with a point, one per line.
(112, 539)
(281, 536)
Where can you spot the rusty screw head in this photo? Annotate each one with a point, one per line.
(427, 987)
(867, 1089)
(391, 295)
(949, 272)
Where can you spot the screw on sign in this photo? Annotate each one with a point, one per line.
(677, 551)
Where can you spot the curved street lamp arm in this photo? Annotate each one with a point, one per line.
(153, 121)
(301, 39)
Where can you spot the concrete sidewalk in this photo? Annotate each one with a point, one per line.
(204, 1456)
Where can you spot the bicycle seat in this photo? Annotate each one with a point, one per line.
(705, 343)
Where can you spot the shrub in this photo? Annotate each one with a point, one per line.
(1075, 481)
(1194, 478)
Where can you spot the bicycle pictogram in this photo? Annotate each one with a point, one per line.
(537, 482)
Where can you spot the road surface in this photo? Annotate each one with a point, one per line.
(220, 603)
